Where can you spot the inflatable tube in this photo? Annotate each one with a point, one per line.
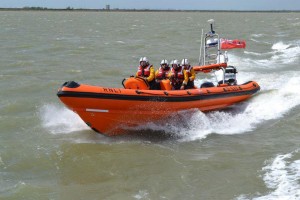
(112, 111)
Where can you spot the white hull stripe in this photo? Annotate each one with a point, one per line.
(96, 110)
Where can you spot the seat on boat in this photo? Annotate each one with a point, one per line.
(135, 83)
(165, 84)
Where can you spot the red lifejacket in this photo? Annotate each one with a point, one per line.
(178, 76)
(162, 73)
(144, 72)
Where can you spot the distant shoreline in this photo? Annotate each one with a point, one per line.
(139, 10)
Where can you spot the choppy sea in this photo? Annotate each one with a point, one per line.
(249, 151)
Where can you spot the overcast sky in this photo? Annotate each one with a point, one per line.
(159, 4)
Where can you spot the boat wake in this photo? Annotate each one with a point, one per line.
(282, 177)
(280, 55)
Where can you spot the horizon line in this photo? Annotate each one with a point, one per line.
(137, 10)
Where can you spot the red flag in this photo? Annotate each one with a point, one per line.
(232, 44)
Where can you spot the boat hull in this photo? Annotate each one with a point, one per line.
(112, 110)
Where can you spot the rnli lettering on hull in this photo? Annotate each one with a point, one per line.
(96, 110)
(111, 90)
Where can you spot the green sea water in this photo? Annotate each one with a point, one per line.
(250, 151)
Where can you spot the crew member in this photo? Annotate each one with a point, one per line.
(163, 71)
(190, 72)
(146, 71)
(178, 76)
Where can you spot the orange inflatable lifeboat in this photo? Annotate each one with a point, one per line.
(112, 110)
